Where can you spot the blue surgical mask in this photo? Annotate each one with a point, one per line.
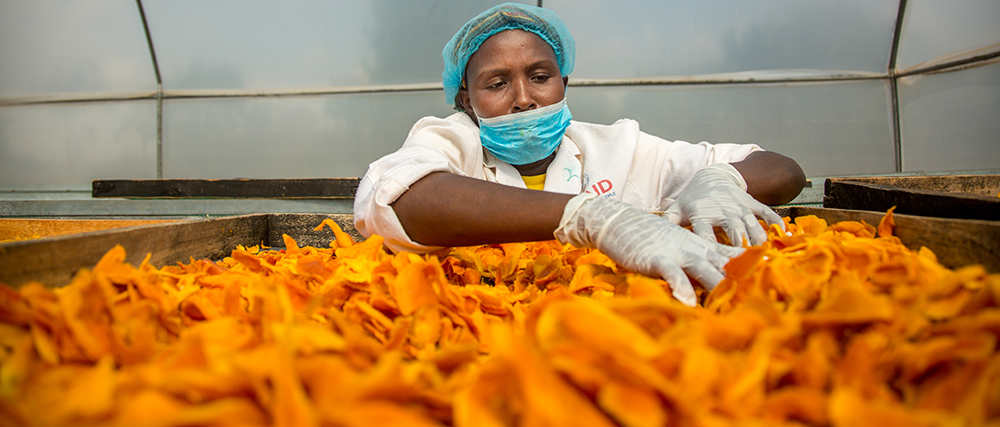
(527, 137)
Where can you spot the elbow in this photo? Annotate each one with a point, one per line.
(772, 179)
(788, 181)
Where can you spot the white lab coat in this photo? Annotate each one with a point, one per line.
(616, 161)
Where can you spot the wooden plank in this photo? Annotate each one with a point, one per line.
(846, 193)
(956, 242)
(300, 227)
(54, 260)
(982, 185)
(33, 228)
(304, 188)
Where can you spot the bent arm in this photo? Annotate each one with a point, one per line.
(772, 178)
(444, 209)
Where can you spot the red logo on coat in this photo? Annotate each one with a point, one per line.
(601, 187)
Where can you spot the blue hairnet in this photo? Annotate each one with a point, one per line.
(543, 22)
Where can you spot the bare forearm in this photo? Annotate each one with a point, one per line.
(444, 209)
(772, 178)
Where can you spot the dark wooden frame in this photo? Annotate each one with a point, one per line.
(946, 196)
(956, 242)
(300, 188)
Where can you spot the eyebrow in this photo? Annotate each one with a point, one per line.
(536, 64)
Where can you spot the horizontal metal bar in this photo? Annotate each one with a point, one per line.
(213, 93)
(65, 98)
(750, 77)
(417, 87)
(984, 59)
(730, 78)
(329, 90)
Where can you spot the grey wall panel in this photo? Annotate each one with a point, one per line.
(830, 129)
(69, 145)
(657, 38)
(252, 44)
(289, 137)
(49, 46)
(936, 31)
(949, 121)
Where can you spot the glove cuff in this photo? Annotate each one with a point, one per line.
(729, 171)
(570, 230)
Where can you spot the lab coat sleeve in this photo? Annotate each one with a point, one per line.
(433, 145)
(671, 164)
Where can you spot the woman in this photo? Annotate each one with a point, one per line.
(464, 180)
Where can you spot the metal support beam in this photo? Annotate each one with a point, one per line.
(159, 92)
(897, 138)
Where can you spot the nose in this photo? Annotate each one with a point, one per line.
(523, 99)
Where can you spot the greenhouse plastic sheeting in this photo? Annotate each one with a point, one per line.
(949, 121)
(257, 89)
(57, 145)
(289, 137)
(49, 46)
(830, 129)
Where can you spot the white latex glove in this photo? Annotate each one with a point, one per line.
(644, 243)
(717, 196)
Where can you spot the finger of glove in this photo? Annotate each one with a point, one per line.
(729, 252)
(680, 286)
(736, 229)
(761, 210)
(756, 232)
(704, 229)
(719, 255)
(703, 271)
(673, 214)
(768, 215)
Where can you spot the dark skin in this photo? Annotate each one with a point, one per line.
(516, 71)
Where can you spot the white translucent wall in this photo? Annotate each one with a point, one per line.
(949, 121)
(674, 38)
(68, 145)
(288, 137)
(935, 31)
(241, 44)
(830, 129)
(53, 51)
(53, 46)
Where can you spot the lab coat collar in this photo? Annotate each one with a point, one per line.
(562, 175)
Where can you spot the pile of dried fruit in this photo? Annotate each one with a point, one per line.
(829, 325)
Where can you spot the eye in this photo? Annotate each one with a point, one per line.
(497, 85)
(541, 78)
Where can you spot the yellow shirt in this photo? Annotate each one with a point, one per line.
(536, 182)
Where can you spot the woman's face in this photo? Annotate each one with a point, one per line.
(513, 71)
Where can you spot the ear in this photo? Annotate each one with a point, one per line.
(463, 101)
(565, 82)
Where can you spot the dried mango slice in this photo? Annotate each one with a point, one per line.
(835, 324)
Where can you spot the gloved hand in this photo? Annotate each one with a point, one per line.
(644, 243)
(716, 196)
